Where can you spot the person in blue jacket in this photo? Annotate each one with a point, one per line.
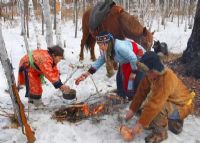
(126, 53)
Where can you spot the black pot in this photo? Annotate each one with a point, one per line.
(71, 95)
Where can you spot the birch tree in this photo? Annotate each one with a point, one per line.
(58, 23)
(48, 22)
(17, 104)
(23, 32)
(21, 9)
(34, 24)
(76, 17)
(157, 13)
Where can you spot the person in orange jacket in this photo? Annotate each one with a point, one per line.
(36, 65)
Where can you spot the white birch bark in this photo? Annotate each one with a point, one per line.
(76, 17)
(128, 6)
(124, 4)
(21, 9)
(48, 22)
(18, 107)
(8, 69)
(34, 24)
(58, 23)
(157, 7)
(23, 33)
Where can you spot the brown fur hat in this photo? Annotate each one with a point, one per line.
(150, 61)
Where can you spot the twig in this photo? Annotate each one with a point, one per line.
(4, 111)
(70, 76)
(95, 86)
(7, 115)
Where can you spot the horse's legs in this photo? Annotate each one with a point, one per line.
(83, 41)
(92, 44)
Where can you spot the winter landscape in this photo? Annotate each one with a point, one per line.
(105, 130)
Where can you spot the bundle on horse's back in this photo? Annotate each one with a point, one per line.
(99, 12)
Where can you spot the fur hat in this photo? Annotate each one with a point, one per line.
(104, 37)
(150, 61)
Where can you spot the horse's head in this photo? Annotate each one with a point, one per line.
(147, 39)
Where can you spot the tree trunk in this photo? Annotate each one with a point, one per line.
(21, 8)
(23, 32)
(76, 17)
(42, 16)
(191, 56)
(34, 24)
(17, 104)
(54, 22)
(47, 16)
(58, 23)
(83, 6)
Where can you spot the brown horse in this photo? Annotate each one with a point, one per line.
(120, 24)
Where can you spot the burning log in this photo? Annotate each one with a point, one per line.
(76, 112)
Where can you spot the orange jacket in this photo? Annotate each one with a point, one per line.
(44, 64)
(167, 88)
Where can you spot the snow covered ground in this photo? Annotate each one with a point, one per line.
(48, 130)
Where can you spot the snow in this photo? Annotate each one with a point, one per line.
(48, 130)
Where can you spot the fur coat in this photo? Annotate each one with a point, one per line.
(166, 88)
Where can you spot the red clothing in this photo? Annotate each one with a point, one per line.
(126, 68)
(44, 66)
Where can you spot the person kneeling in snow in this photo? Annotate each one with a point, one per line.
(124, 52)
(164, 100)
(37, 64)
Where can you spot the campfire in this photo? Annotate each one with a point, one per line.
(79, 111)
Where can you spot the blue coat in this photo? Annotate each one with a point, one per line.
(123, 54)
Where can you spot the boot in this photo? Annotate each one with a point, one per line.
(156, 137)
(36, 102)
(175, 126)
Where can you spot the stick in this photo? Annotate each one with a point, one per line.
(95, 86)
(70, 76)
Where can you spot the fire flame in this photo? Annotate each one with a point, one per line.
(85, 109)
(98, 109)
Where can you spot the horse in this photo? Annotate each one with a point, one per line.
(118, 22)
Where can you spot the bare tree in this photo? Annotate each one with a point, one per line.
(17, 104)
(179, 11)
(21, 9)
(76, 17)
(191, 56)
(54, 22)
(23, 32)
(83, 6)
(58, 23)
(48, 22)
(34, 24)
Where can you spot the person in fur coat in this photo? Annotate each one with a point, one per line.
(163, 99)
